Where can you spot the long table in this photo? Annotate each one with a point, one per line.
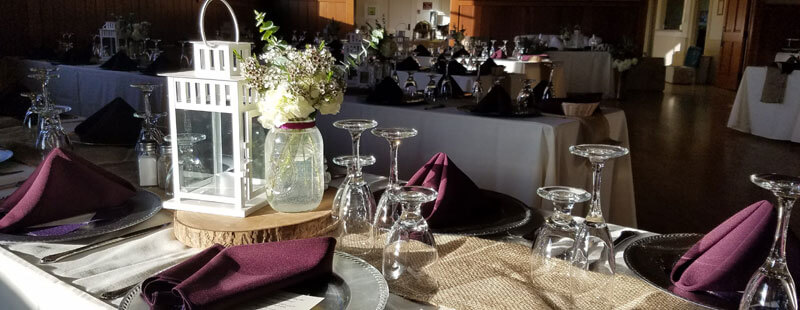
(87, 88)
(779, 121)
(77, 282)
(514, 156)
(584, 71)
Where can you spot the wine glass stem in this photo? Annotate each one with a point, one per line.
(596, 211)
(146, 101)
(394, 145)
(356, 137)
(778, 251)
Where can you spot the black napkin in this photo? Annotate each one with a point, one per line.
(455, 67)
(113, 124)
(461, 53)
(76, 56)
(457, 91)
(422, 51)
(408, 64)
(120, 62)
(791, 64)
(497, 100)
(486, 66)
(386, 92)
(11, 103)
(164, 63)
(42, 52)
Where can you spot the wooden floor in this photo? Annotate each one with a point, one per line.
(691, 171)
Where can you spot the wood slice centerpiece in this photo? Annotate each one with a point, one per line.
(200, 230)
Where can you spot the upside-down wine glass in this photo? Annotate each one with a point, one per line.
(410, 247)
(192, 169)
(772, 286)
(430, 89)
(593, 231)
(31, 120)
(357, 206)
(556, 238)
(477, 87)
(150, 131)
(387, 211)
(347, 161)
(410, 86)
(446, 90)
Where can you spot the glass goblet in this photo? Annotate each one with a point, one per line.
(410, 86)
(357, 206)
(192, 170)
(593, 233)
(430, 89)
(150, 131)
(555, 239)
(52, 134)
(772, 286)
(31, 120)
(349, 162)
(388, 209)
(410, 247)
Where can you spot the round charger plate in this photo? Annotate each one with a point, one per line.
(5, 155)
(652, 259)
(355, 285)
(530, 113)
(143, 206)
(512, 213)
(75, 138)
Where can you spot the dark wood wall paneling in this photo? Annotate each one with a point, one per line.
(27, 24)
(312, 15)
(503, 19)
(771, 25)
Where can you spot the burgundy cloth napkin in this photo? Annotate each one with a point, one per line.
(64, 185)
(219, 277)
(459, 199)
(499, 54)
(496, 100)
(725, 258)
(113, 124)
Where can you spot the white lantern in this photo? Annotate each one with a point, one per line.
(109, 40)
(218, 153)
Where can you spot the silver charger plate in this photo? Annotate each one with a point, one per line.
(5, 155)
(355, 285)
(652, 258)
(142, 206)
(76, 139)
(512, 213)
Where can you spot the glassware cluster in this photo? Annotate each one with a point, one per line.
(395, 224)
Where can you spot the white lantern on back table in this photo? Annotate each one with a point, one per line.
(219, 149)
(109, 40)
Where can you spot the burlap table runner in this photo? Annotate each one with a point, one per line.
(475, 273)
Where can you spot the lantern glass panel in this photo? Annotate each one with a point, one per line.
(257, 170)
(205, 155)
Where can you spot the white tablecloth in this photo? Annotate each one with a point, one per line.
(88, 88)
(584, 71)
(511, 156)
(783, 56)
(769, 120)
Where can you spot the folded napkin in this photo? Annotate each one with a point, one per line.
(408, 64)
(422, 51)
(457, 91)
(386, 92)
(497, 100)
(455, 67)
(120, 62)
(486, 66)
(791, 64)
(727, 256)
(461, 53)
(76, 56)
(220, 277)
(11, 103)
(459, 200)
(62, 186)
(113, 124)
(499, 54)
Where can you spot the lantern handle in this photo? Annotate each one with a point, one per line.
(202, 18)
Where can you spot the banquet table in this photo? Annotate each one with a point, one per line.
(422, 79)
(584, 71)
(77, 282)
(87, 88)
(779, 121)
(513, 156)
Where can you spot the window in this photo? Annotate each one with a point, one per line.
(673, 15)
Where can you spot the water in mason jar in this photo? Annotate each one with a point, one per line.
(295, 170)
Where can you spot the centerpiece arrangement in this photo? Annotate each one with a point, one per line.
(624, 57)
(294, 86)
